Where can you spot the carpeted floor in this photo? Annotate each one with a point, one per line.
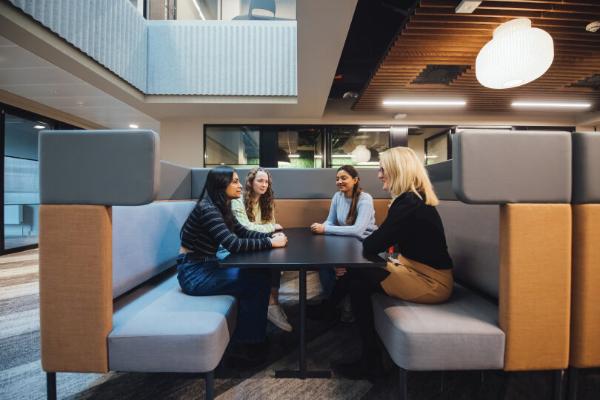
(21, 376)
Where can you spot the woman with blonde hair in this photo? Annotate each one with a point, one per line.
(422, 270)
(255, 211)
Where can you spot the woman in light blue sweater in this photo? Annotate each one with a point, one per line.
(351, 214)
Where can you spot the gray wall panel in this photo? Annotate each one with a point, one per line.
(586, 167)
(472, 233)
(175, 182)
(440, 175)
(512, 167)
(108, 167)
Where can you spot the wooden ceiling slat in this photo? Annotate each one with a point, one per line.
(570, 2)
(481, 12)
(490, 20)
(518, 6)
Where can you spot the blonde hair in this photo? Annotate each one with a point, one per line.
(406, 173)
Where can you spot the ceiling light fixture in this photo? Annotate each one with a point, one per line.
(374, 129)
(517, 55)
(508, 127)
(550, 104)
(39, 126)
(425, 103)
(361, 154)
(134, 126)
(400, 116)
(593, 26)
(467, 6)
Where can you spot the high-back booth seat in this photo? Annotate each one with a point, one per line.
(507, 219)
(110, 219)
(585, 321)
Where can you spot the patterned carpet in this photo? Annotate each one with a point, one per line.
(21, 376)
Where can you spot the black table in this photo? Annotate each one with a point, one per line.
(306, 251)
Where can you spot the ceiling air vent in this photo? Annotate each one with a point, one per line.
(439, 74)
(592, 81)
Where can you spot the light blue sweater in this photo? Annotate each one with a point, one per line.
(365, 218)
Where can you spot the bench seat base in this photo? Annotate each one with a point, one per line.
(158, 328)
(461, 334)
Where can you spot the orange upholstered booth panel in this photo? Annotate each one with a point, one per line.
(75, 245)
(535, 285)
(299, 213)
(585, 340)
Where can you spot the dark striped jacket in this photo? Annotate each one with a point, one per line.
(205, 229)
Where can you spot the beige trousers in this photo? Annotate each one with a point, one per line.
(416, 282)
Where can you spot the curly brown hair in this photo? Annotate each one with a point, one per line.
(266, 201)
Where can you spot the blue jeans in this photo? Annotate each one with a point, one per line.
(251, 287)
(327, 278)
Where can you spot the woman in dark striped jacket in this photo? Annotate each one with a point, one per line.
(210, 231)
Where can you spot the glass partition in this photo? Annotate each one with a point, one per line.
(21, 180)
(438, 148)
(220, 10)
(358, 146)
(300, 147)
(234, 146)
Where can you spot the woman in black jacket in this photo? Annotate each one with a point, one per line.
(422, 270)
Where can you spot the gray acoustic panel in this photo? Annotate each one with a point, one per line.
(105, 167)
(138, 257)
(512, 167)
(473, 237)
(175, 182)
(586, 167)
(440, 175)
(305, 183)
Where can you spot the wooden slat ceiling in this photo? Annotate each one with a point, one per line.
(436, 35)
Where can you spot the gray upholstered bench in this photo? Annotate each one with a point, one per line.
(460, 334)
(109, 297)
(157, 328)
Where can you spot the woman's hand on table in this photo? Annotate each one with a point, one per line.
(278, 227)
(317, 228)
(279, 240)
(340, 271)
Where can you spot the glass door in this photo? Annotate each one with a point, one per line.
(21, 180)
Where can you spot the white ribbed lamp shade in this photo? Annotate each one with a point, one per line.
(517, 54)
(361, 154)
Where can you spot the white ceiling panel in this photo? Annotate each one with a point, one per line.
(27, 75)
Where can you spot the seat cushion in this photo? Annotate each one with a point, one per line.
(157, 328)
(460, 334)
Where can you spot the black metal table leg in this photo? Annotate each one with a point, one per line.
(51, 385)
(302, 372)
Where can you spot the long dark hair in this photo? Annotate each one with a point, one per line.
(216, 184)
(265, 202)
(356, 191)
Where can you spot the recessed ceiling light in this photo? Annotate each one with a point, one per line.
(374, 129)
(400, 116)
(425, 103)
(550, 104)
(134, 126)
(39, 126)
